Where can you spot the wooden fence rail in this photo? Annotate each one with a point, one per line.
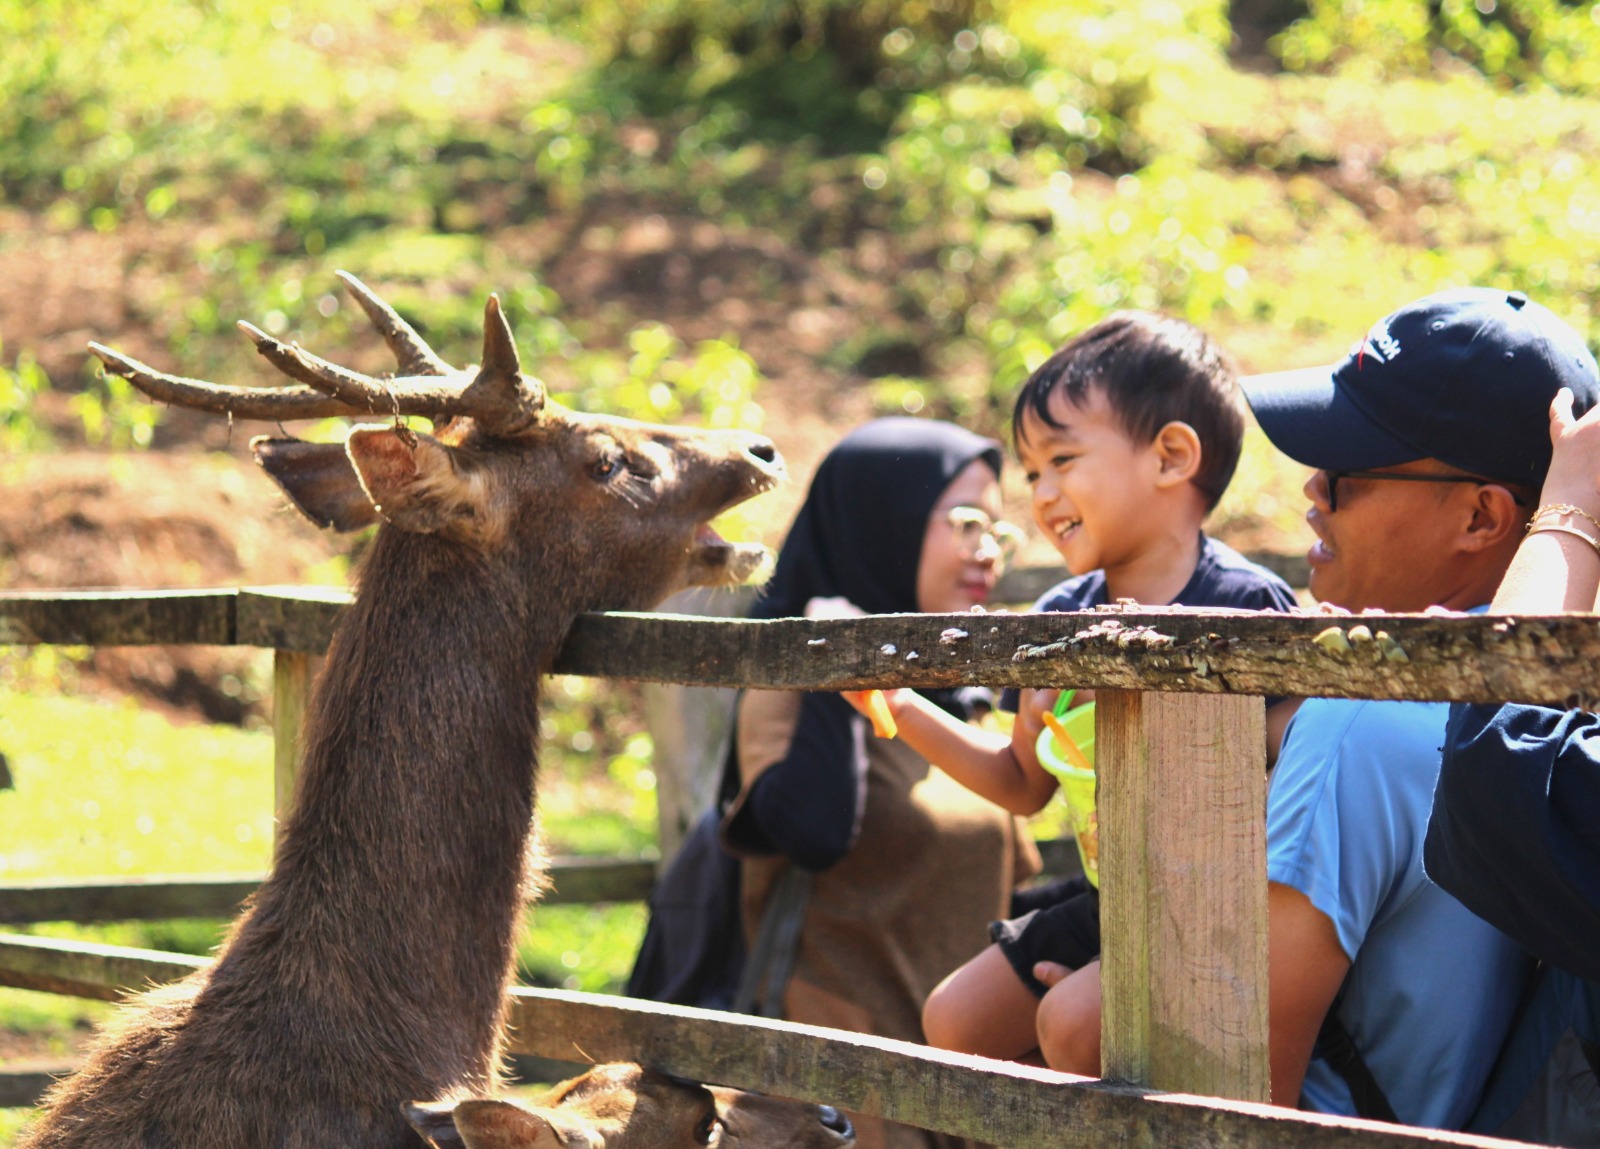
(1553, 660)
(573, 881)
(993, 1101)
(1181, 768)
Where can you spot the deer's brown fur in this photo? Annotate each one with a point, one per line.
(371, 966)
(623, 1106)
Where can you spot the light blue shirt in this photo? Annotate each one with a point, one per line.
(1432, 988)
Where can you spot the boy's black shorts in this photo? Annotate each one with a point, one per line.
(1058, 921)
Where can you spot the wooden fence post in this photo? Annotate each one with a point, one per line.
(292, 676)
(690, 727)
(1182, 799)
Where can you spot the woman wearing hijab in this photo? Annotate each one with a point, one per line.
(909, 866)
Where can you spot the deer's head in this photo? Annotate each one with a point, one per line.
(623, 1106)
(612, 512)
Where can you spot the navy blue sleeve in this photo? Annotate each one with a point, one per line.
(808, 805)
(1515, 829)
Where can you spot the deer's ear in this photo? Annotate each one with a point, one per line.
(485, 1123)
(435, 1121)
(411, 480)
(318, 479)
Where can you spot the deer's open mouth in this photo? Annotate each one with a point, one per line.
(717, 562)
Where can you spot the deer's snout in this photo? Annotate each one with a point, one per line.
(836, 1122)
(764, 452)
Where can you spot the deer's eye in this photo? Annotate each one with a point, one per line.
(706, 1132)
(606, 465)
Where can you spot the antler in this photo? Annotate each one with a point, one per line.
(496, 395)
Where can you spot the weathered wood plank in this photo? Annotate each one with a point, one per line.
(84, 969)
(581, 881)
(575, 881)
(125, 899)
(21, 1086)
(1551, 660)
(1009, 1105)
(292, 676)
(117, 617)
(992, 1101)
(1548, 659)
(1184, 912)
(294, 618)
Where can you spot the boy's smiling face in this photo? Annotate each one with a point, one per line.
(1091, 482)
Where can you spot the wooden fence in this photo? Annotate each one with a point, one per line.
(1181, 799)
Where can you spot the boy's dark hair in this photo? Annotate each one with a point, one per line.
(1154, 370)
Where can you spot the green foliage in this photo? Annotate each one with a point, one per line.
(833, 70)
(1511, 42)
(20, 388)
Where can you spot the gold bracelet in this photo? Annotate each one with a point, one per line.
(1561, 509)
(1558, 528)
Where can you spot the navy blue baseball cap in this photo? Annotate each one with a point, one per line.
(1464, 376)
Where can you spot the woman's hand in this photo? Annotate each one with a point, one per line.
(1574, 475)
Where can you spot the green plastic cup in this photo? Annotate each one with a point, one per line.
(1077, 784)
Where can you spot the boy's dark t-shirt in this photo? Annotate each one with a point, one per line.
(1222, 577)
(1060, 921)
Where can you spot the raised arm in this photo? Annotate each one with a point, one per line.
(990, 764)
(1515, 830)
(1557, 568)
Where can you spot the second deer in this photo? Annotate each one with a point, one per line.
(624, 1106)
(371, 966)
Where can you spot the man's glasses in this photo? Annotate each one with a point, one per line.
(974, 527)
(1392, 477)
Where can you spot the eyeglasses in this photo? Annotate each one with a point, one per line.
(1390, 476)
(973, 527)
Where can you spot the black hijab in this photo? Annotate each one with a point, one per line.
(858, 536)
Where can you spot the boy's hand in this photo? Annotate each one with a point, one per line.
(1031, 705)
(881, 706)
(1051, 973)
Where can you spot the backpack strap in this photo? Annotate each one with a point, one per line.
(1335, 1046)
(770, 963)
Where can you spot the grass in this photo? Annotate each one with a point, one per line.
(106, 789)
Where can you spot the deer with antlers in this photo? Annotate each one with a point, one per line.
(371, 967)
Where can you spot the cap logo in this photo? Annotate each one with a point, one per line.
(1379, 344)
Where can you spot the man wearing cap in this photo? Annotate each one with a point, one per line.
(1431, 442)
(1515, 829)
(1388, 998)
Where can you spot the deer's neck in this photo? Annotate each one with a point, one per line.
(402, 864)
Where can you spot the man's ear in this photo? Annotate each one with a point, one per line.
(318, 479)
(1496, 519)
(412, 481)
(1178, 452)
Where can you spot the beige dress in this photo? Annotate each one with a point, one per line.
(932, 866)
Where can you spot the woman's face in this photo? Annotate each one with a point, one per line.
(953, 576)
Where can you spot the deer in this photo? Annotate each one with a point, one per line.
(626, 1106)
(371, 966)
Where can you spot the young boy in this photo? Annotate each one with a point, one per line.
(1129, 435)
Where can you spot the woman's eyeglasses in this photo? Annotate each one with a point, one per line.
(974, 527)
(1389, 476)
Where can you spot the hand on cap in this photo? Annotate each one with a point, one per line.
(1574, 475)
